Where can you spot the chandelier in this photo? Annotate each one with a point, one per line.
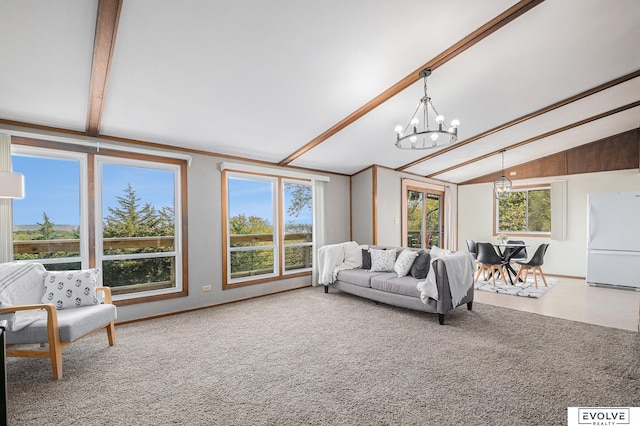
(502, 186)
(417, 135)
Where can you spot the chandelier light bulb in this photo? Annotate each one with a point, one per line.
(440, 119)
(413, 139)
(434, 137)
(415, 121)
(451, 130)
(455, 123)
(398, 129)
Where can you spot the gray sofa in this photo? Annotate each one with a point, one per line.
(388, 288)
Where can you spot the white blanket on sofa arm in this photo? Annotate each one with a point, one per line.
(460, 270)
(334, 258)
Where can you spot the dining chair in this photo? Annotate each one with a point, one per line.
(471, 246)
(489, 261)
(534, 265)
(510, 252)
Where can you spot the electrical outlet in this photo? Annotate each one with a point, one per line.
(206, 288)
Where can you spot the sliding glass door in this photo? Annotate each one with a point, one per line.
(422, 211)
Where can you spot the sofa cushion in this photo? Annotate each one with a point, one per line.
(391, 283)
(404, 262)
(421, 265)
(366, 259)
(383, 260)
(359, 277)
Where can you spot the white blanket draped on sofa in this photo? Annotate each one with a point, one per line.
(460, 270)
(334, 258)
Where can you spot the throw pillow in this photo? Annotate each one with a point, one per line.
(404, 262)
(366, 259)
(352, 255)
(437, 252)
(71, 289)
(421, 266)
(383, 260)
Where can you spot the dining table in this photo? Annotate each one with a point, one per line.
(507, 255)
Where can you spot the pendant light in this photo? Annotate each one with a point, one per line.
(502, 186)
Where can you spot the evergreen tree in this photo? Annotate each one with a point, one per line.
(131, 219)
(46, 228)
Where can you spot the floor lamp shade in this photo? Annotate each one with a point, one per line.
(11, 185)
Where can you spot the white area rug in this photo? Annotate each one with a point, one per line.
(526, 289)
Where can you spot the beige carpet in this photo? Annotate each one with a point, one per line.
(309, 358)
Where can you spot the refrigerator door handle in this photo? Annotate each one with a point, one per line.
(592, 219)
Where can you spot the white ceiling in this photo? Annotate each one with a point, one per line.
(260, 79)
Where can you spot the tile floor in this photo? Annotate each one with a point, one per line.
(573, 299)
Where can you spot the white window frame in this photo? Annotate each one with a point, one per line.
(29, 151)
(275, 247)
(526, 189)
(282, 233)
(101, 160)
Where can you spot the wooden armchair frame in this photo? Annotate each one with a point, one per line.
(54, 351)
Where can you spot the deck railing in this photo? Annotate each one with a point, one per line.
(253, 265)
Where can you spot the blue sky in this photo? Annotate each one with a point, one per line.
(52, 186)
(253, 198)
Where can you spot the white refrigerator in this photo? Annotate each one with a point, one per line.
(613, 239)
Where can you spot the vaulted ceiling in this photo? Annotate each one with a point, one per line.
(321, 85)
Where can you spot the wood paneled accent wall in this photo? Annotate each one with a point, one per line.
(619, 152)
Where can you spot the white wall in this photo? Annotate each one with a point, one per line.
(362, 207)
(389, 207)
(205, 243)
(567, 257)
(388, 204)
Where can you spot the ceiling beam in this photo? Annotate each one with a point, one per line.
(617, 152)
(538, 137)
(103, 45)
(481, 33)
(526, 117)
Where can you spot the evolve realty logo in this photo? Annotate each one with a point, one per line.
(604, 416)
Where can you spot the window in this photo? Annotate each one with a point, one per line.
(297, 240)
(268, 230)
(139, 238)
(47, 225)
(118, 212)
(525, 211)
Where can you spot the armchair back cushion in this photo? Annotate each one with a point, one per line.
(21, 284)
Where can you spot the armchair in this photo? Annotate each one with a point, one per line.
(41, 323)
